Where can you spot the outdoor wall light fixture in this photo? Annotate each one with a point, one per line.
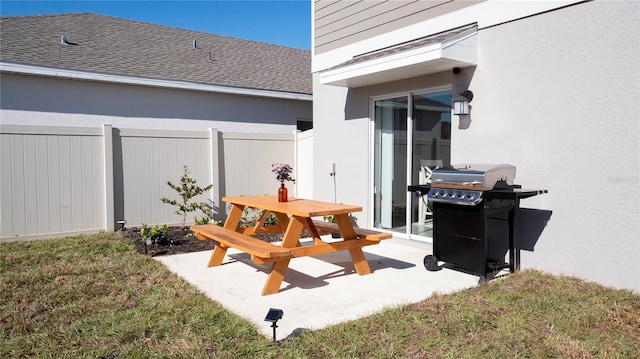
(273, 315)
(461, 103)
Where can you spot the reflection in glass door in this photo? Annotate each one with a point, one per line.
(390, 160)
(431, 148)
(427, 146)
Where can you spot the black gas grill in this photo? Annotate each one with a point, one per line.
(474, 208)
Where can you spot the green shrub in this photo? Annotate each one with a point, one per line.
(187, 190)
(156, 235)
(250, 217)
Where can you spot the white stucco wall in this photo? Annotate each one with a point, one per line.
(342, 135)
(558, 96)
(344, 143)
(31, 100)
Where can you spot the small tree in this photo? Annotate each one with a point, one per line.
(187, 189)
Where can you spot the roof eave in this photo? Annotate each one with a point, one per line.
(25, 69)
(458, 51)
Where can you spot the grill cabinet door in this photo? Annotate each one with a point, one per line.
(459, 235)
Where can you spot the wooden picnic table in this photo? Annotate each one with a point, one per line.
(293, 216)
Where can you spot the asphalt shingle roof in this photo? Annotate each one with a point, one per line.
(131, 48)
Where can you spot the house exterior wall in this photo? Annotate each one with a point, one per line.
(555, 94)
(343, 136)
(33, 100)
(340, 23)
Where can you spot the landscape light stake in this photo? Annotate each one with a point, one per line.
(273, 315)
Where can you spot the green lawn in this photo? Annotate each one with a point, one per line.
(95, 297)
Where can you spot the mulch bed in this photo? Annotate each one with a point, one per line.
(181, 242)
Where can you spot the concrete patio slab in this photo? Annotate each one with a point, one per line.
(322, 290)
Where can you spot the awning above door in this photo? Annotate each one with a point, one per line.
(434, 53)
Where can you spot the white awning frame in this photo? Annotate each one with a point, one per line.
(459, 50)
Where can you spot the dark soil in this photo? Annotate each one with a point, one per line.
(182, 241)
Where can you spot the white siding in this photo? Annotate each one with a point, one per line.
(42, 101)
(340, 23)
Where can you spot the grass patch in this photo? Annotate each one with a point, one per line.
(94, 296)
(526, 315)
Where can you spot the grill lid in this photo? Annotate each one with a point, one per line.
(480, 177)
(463, 184)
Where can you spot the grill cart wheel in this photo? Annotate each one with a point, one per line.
(431, 263)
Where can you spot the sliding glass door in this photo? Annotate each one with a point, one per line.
(390, 138)
(403, 157)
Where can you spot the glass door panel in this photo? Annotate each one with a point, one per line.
(429, 121)
(390, 161)
(431, 148)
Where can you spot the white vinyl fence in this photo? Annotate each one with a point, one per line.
(60, 181)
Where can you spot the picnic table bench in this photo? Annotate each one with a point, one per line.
(293, 216)
(251, 245)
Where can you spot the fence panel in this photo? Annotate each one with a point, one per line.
(51, 180)
(304, 164)
(247, 159)
(56, 181)
(150, 158)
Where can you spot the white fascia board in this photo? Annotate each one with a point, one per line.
(142, 81)
(374, 66)
(485, 14)
(463, 51)
(459, 50)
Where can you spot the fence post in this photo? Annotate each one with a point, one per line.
(215, 174)
(107, 140)
(296, 153)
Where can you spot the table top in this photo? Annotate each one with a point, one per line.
(294, 206)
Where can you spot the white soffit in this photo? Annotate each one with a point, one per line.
(427, 55)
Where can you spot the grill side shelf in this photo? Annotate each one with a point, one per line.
(514, 194)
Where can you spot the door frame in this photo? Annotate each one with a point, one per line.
(409, 196)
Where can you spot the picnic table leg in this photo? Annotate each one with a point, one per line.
(357, 256)
(217, 255)
(234, 217)
(283, 220)
(219, 251)
(314, 231)
(359, 261)
(276, 276)
(279, 268)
